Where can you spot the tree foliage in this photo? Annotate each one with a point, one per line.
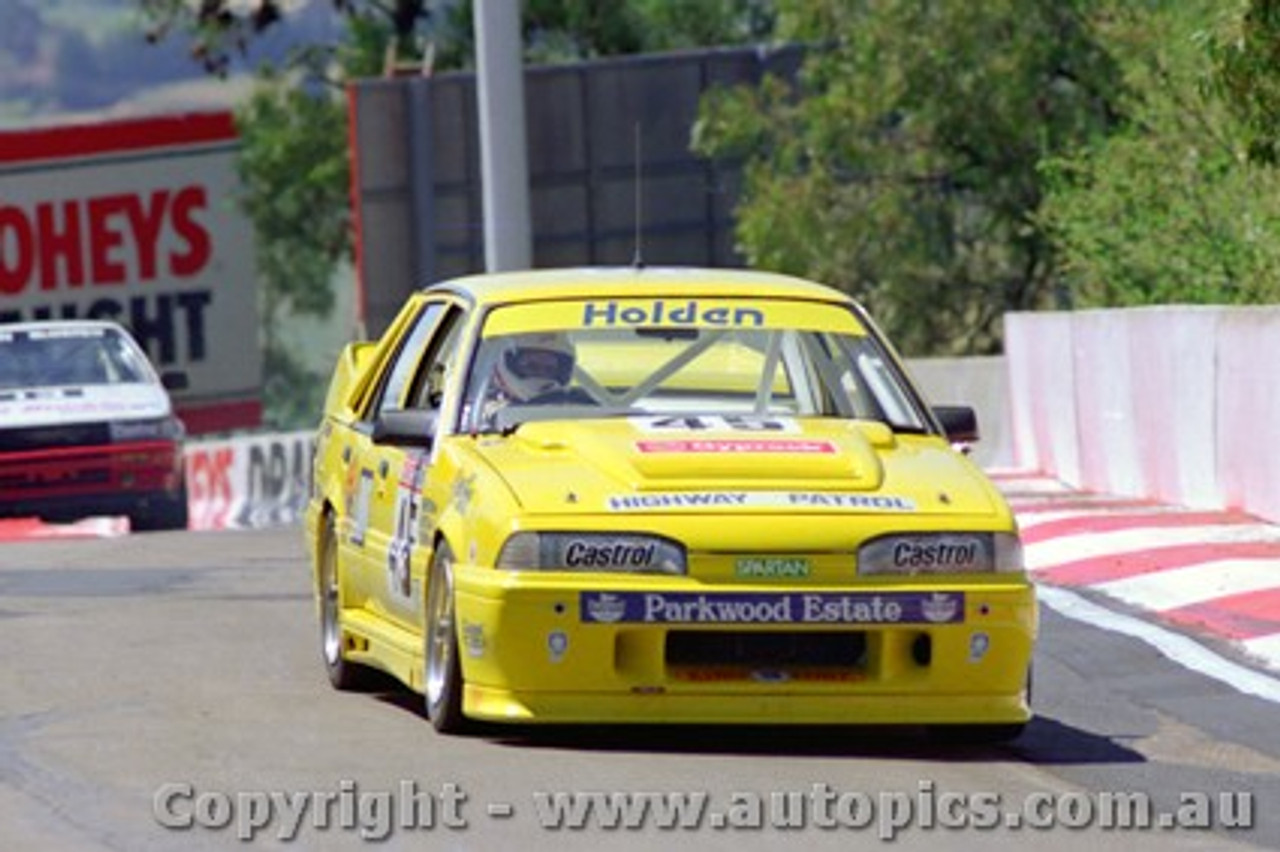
(222, 30)
(293, 170)
(1246, 55)
(1172, 207)
(904, 167)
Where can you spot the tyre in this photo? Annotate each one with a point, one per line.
(977, 734)
(343, 673)
(165, 512)
(442, 671)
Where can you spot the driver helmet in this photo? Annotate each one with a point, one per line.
(535, 364)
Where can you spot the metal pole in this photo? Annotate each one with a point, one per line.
(504, 168)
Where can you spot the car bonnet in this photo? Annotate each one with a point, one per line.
(47, 406)
(817, 466)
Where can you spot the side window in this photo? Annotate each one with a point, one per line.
(405, 361)
(428, 384)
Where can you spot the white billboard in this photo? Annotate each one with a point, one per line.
(137, 221)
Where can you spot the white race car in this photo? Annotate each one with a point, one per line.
(87, 427)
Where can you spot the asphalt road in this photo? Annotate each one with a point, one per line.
(164, 691)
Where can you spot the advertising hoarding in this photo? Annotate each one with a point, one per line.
(137, 221)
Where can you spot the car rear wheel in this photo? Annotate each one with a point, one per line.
(442, 672)
(343, 674)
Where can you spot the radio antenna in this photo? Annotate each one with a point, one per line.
(638, 259)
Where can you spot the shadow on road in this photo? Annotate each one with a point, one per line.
(1045, 741)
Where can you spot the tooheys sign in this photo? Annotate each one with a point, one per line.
(136, 221)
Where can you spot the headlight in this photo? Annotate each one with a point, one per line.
(605, 552)
(158, 429)
(942, 553)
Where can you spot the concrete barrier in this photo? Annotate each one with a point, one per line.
(979, 382)
(1248, 410)
(1172, 403)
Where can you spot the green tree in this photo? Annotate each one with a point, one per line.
(220, 30)
(1246, 54)
(904, 165)
(1170, 208)
(293, 167)
(557, 31)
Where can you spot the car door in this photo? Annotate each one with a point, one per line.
(398, 473)
(371, 487)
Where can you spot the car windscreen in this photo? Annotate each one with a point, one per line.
(31, 358)
(805, 360)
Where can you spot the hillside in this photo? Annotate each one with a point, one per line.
(67, 59)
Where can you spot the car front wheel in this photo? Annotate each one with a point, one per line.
(162, 512)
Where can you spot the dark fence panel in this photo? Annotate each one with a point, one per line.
(417, 178)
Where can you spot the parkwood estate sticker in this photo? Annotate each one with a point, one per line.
(767, 608)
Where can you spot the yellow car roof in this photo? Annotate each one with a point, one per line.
(594, 282)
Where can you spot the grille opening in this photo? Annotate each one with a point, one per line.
(46, 437)
(922, 650)
(835, 649)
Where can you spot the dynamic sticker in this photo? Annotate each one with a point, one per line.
(358, 509)
(473, 639)
(464, 488)
(764, 608)
(557, 645)
(979, 644)
(735, 447)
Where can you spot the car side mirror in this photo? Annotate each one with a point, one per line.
(174, 380)
(959, 423)
(405, 427)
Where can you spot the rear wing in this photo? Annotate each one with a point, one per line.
(353, 360)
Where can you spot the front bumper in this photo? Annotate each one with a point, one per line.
(103, 479)
(532, 652)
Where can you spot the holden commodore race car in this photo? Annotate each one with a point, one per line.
(86, 427)
(661, 495)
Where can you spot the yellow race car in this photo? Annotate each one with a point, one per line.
(661, 495)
